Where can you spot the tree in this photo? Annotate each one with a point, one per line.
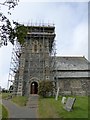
(11, 88)
(45, 88)
(7, 32)
(4, 90)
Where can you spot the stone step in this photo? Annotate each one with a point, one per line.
(33, 101)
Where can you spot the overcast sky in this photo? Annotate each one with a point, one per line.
(71, 28)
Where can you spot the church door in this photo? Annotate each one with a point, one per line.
(34, 88)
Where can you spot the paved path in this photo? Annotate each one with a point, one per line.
(29, 111)
(33, 101)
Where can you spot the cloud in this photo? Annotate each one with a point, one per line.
(72, 30)
(80, 39)
(78, 45)
(55, 0)
(4, 81)
(5, 55)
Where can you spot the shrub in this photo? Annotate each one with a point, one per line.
(45, 88)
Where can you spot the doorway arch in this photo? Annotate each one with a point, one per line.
(34, 88)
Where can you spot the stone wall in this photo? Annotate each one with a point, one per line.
(74, 86)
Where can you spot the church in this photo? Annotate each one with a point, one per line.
(38, 61)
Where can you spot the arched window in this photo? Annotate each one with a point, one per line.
(40, 47)
(35, 46)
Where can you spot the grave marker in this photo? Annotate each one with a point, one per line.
(63, 100)
(69, 104)
(57, 93)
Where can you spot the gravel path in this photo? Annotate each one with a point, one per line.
(29, 111)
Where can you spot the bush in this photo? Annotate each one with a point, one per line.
(45, 88)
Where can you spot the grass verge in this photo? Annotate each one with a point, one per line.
(5, 95)
(20, 100)
(4, 112)
(50, 108)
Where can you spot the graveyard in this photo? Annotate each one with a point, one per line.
(49, 74)
(51, 108)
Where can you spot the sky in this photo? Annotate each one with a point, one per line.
(71, 28)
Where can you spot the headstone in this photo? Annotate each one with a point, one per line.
(57, 93)
(63, 100)
(69, 104)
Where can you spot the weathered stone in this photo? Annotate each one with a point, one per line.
(35, 60)
(63, 100)
(76, 86)
(69, 104)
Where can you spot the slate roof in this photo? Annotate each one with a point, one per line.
(71, 63)
(72, 67)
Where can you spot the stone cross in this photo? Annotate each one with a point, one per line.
(69, 104)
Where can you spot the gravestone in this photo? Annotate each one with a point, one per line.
(69, 104)
(56, 98)
(63, 100)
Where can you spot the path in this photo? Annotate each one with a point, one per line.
(32, 101)
(29, 111)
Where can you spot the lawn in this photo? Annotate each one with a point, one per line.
(3, 112)
(50, 108)
(20, 100)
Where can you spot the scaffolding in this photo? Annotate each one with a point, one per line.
(34, 60)
(46, 37)
(14, 64)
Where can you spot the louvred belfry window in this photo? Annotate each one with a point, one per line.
(35, 48)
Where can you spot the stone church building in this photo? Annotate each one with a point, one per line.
(39, 62)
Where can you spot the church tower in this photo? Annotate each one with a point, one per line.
(35, 62)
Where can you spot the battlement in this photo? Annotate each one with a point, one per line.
(41, 33)
(47, 29)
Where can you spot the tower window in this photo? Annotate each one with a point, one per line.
(40, 47)
(35, 48)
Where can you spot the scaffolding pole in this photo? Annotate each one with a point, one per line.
(14, 64)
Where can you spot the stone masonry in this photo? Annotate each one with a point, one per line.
(37, 62)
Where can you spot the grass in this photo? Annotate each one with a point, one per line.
(50, 108)
(5, 95)
(20, 100)
(4, 111)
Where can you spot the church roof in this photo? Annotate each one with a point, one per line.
(72, 63)
(72, 67)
